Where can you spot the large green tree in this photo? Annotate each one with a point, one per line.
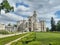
(58, 25)
(53, 26)
(9, 24)
(5, 6)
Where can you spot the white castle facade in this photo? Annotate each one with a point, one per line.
(27, 25)
(31, 24)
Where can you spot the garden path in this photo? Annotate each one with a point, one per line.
(16, 39)
(3, 36)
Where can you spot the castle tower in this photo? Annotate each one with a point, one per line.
(34, 14)
(35, 21)
(30, 23)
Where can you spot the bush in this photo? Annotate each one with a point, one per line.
(18, 43)
(9, 39)
(28, 38)
(25, 40)
(4, 32)
(54, 43)
(34, 43)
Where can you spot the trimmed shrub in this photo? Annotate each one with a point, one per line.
(18, 43)
(28, 38)
(4, 32)
(25, 40)
(34, 43)
(9, 39)
(54, 43)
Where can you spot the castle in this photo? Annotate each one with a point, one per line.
(31, 24)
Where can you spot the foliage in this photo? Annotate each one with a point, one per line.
(28, 39)
(4, 32)
(53, 26)
(5, 6)
(18, 43)
(34, 43)
(8, 39)
(9, 24)
(15, 25)
(47, 29)
(58, 25)
(42, 38)
(54, 43)
(25, 40)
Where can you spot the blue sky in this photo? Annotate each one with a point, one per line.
(24, 8)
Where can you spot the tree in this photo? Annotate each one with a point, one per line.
(9, 24)
(15, 25)
(58, 25)
(53, 26)
(47, 29)
(5, 6)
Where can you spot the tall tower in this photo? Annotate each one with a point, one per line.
(34, 15)
(35, 21)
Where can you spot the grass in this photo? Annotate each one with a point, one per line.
(34, 43)
(8, 39)
(42, 38)
(48, 37)
(25, 40)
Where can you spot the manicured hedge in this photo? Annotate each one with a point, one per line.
(18, 43)
(34, 43)
(42, 38)
(8, 39)
(54, 43)
(25, 40)
(4, 32)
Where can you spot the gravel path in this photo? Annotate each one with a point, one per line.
(16, 40)
(3, 36)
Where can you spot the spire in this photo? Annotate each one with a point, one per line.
(34, 14)
(34, 11)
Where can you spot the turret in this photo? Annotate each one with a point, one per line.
(34, 14)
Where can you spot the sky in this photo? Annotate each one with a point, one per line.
(23, 8)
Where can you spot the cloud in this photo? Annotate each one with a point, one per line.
(45, 9)
(10, 17)
(23, 11)
(22, 8)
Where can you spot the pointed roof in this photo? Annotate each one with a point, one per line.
(34, 14)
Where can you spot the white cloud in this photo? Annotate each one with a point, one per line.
(0, 1)
(13, 16)
(22, 8)
(10, 17)
(45, 9)
(2, 12)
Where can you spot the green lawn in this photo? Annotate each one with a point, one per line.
(48, 37)
(42, 38)
(25, 40)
